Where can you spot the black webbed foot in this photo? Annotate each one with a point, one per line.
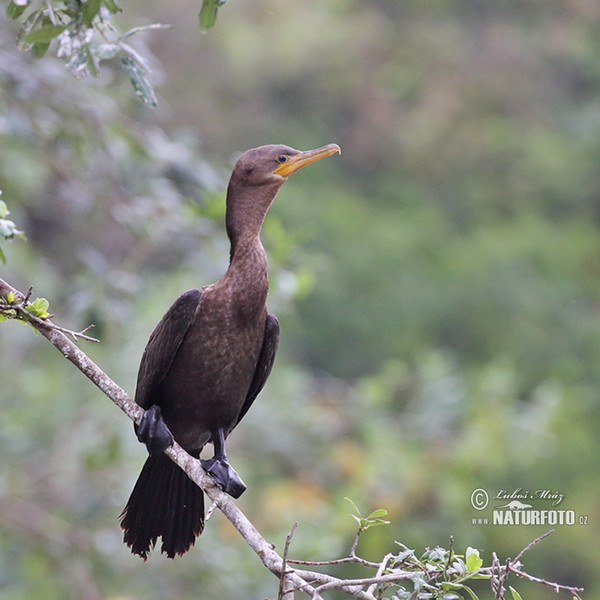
(222, 472)
(153, 431)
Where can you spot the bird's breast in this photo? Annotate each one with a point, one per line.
(210, 376)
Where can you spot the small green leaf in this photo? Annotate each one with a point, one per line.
(471, 593)
(89, 10)
(208, 14)
(112, 6)
(38, 308)
(139, 80)
(40, 49)
(11, 298)
(2, 256)
(45, 34)
(515, 594)
(450, 585)
(42, 303)
(473, 560)
(3, 208)
(376, 522)
(14, 11)
(402, 556)
(353, 505)
(460, 566)
(381, 512)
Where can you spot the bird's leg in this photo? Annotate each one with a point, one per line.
(221, 471)
(153, 431)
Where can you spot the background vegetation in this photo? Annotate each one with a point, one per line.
(438, 286)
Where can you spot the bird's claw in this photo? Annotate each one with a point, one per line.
(225, 476)
(153, 431)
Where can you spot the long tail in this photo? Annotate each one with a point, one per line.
(164, 503)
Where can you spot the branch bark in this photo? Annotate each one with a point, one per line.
(291, 579)
(192, 466)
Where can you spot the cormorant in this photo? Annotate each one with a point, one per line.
(205, 363)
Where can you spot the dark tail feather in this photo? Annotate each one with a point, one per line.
(164, 503)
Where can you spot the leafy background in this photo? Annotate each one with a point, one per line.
(438, 285)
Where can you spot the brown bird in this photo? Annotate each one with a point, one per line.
(205, 363)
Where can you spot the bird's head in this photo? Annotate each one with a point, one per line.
(257, 176)
(273, 164)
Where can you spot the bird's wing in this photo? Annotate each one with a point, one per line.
(264, 364)
(162, 347)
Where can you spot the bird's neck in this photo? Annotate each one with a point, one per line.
(248, 269)
(246, 211)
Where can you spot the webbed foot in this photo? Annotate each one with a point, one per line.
(153, 431)
(222, 472)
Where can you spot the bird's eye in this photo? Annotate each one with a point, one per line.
(282, 158)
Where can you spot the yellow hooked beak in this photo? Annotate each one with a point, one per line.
(296, 162)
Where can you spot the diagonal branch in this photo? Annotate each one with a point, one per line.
(291, 579)
(189, 464)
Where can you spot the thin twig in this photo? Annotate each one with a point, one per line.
(210, 511)
(380, 570)
(19, 306)
(347, 584)
(284, 572)
(76, 335)
(556, 586)
(513, 565)
(337, 561)
(355, 543)
(498, 577)
(450, 552)
(537, 540)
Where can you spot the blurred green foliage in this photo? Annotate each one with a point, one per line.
(83, 35)
(437, 286)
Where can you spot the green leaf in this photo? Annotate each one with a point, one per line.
(374, 523)
(38, 308)
(353, 505)
(471, 593)
(45, 34)
(2, 256)
(139, 80)
(89, 10)
(3, 209)
(402, 556)
(40, 49)
(473, 560)
(515, 594)
(10, 298)
(208, 14)
(381, 512)
(14, 11)
(112, 6)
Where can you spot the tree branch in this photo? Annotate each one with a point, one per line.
(189, 464)
(291, 579)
